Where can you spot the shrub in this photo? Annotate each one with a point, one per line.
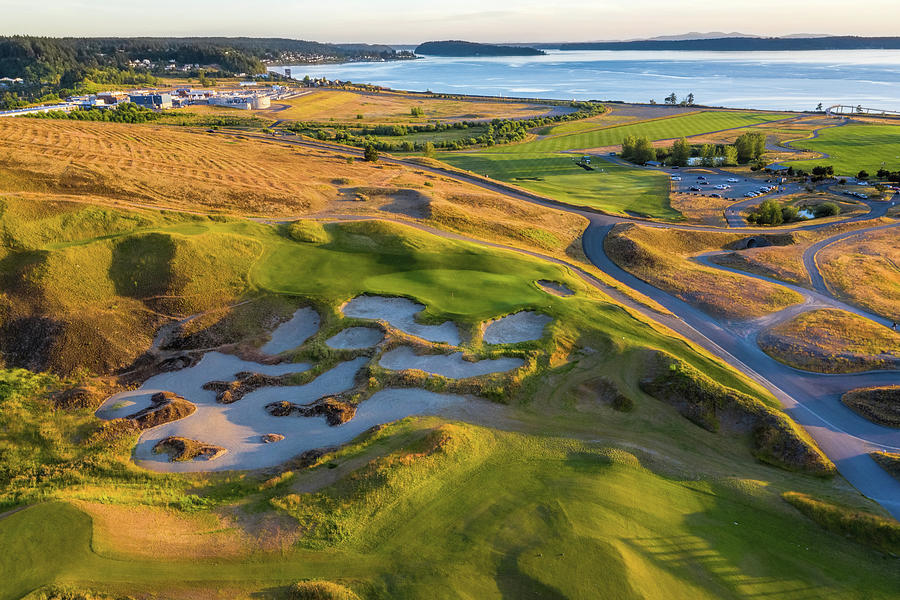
(320, 590)
(865, 528)
(827, 209)
(370, 154)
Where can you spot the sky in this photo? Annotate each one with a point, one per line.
(415, 21)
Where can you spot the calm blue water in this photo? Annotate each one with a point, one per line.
(771, 80)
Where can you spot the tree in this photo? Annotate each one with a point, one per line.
(730, 156)
(767, 213)
(819, 107)
(708, 155)
(644, 151)
(862, 175)
(307, 81)
(429, 149)
(750, 146)
(672, 98)
(689, 101)
(681, 152)
(370, 154)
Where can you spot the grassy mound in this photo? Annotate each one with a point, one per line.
(889, 461)
(165, 407)
(182, 449)
(776, 439)
(878, 404)
(832, 341)
(661, 257)
(866, 528)
(320, 590)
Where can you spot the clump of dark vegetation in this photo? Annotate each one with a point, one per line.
(335, 411)
(863, 527)
(181, 449)
(775, 438)
(165, 407)
(320, 590)
(889, 461)
(68, 593)
(772, 212)
(878, 404)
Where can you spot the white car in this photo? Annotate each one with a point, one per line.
(676, 178)
(733, 180)
(722, 186)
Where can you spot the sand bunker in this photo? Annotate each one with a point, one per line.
(188, 382)
(555, 288)
(354, 338)
(400, 313)
(522, 326)
(238, 434)
(448, 365)
(303, 325)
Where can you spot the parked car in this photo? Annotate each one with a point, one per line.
(715, 195)
(676, 178)
(694, 188)
(733, 180)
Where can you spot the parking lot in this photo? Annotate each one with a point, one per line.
(727, 185)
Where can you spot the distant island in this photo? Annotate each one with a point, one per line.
(460, 48)
(742, 44)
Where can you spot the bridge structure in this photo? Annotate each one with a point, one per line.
(843, 110)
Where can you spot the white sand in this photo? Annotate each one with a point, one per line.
(188, 383)
(448, 365)
(555, 288)
(522, 326)
(400, 313)
(240, 432)
(238, 427)
(290, 334)
(354, 338)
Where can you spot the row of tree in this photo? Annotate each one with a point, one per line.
(123, 113)
(746, 148)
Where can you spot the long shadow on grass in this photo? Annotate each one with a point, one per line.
(515, 585)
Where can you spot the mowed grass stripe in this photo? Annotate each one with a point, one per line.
(660, 129)
(609, 187)
(852, 148)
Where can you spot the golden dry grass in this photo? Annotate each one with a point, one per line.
(662, 258)
(344, 106)
(785, 262)
(700, 210)
(865, 270)
(191, 170)
(166, 534)
(832, 341)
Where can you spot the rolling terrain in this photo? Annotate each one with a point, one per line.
(645, 434)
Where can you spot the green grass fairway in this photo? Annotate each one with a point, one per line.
(617, 189)
(852, 148)
(659, 129)
(491, 515)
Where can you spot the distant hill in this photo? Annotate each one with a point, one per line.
(738, 44)
(460, 48)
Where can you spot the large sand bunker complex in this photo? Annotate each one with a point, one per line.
(250, 435)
